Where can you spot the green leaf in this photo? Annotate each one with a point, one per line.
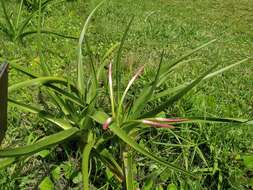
(86, 159)
(109, 161)
(119, 54)
(81, 75)
(201, 155)
(148, 185)
(130, 83)
(68, 169)
(100, 117)
(140, 102)
(249, 122)
(159, 187)
(42, 144)
(167, 92)
(30, 108)
(123, 135)
(47, 2)
(56, 89)
(22, 70)
(248, 161)
(25, 34)
(4, 162)
(43, 153)
(37, 82)
(59, 102)
(109, 52)
(172, 186)
(177, 96)
(67, 95)
(46, 184)
(105, 58)
(128, 166)
(24, 24)
(225, 68)
(64, 124)
(4, 29)
(111, 94)
(56, 173)
(92, 81)
(167, 68)
(7, 18)
(146, 93)
(215, 120)
(170, 91)
(78, 178)
(250, 182)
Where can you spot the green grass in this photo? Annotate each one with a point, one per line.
(177, 27)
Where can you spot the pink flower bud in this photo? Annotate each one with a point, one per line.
(156, 124)
(107, 123)
(170, 119)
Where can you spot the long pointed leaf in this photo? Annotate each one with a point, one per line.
(99, 117)
(167, 69)
(4, 162)
(86, 158)
(177, 96)
(23, 70)
(92, 87)
(59, 102)
(216, 120)
(111, 89)
(42, 144)
(28, 33)
(37, 82)
(43, 64)
(147, 92)
(123, 135)
(64, 124)
(168, 92)
(4, 29)
(119, 54)
(129, 85)
(66, 94)
(7, 18)
(24, 24)
(225, 68)
(105, 58)
(209, 76)
(128, 166)
(34, 75)
(19, 12)
(81, 79)
(110, 162)
(60, 91)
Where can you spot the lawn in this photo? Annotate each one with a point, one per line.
(72, 96)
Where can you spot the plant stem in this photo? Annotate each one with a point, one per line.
(85, 160)
(44, 67)
(19, 13)
(128, 169)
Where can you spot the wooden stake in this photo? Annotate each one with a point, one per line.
(3, 99)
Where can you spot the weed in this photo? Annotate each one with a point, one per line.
(16, 29)
(112, 138)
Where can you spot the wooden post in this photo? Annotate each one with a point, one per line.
(3, 99)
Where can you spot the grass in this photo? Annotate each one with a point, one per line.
(177, 27)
